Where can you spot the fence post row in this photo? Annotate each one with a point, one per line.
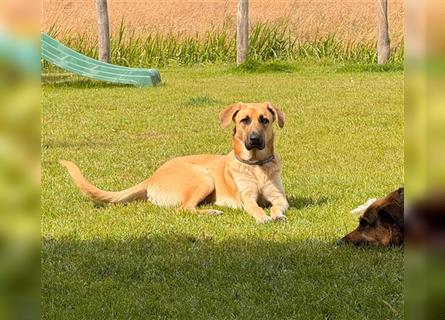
(383, 43)
(242, 34)
(103, 30)
(242, 31)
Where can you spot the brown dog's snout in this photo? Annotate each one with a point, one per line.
(355, 238)
(340, 242)
(347, 238)
(255, 140)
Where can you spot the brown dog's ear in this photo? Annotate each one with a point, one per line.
(401, 192)
(277, 113)
(227, 115)
(392, 213)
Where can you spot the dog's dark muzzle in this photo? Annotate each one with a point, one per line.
(355, 238)
(254, 141)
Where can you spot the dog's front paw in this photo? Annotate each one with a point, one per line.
(211, 212)
(263, 219)
(280, 217)
(215, 212)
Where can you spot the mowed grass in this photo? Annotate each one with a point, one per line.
(342, 144)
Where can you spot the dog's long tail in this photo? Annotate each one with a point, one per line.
(137, 192)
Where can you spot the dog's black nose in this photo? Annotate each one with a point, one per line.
(255, 137)
(255, 141)
(340, 242)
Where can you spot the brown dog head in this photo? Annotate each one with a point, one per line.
(381, 224)
(253, 135)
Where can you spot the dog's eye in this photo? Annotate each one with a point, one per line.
(245, 120)
(363, 223)
(264, 121)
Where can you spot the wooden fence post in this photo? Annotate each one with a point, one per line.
(103, 31)
(383, 43)
(242, 31)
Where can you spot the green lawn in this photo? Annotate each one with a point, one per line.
(342, 144)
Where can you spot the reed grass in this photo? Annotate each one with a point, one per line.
(268, 41)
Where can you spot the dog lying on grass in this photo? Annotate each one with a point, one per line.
(248, 177)
(381, 223)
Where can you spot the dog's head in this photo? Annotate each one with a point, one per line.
(381, 223)
(253, 130)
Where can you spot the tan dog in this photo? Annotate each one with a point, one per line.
(248, 177)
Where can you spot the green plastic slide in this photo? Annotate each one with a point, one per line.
(58, 54)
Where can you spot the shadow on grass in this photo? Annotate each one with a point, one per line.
(194, 276)
(56, 143)
(357, 67)
(203, 100)
(302, 202)
(256, 66)
(65, 80)
(294, 203)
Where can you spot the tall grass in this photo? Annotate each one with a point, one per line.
(267, 42)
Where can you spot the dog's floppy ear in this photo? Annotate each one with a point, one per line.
(361, 209)
(227, 115)
(392, 213)
(277, 113)
(401, 192)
